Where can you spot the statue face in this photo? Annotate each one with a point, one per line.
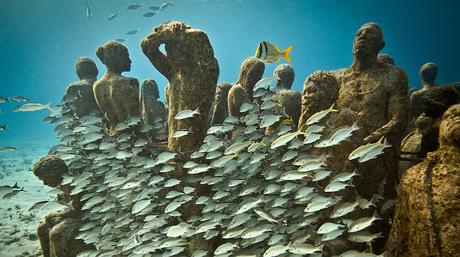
(125, 62)
(367, 41)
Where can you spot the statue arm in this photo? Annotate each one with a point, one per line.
(397, 112)
(134, 106)
(151, 48)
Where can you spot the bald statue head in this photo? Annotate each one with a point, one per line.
(428, 72)
(284, 75)
(150, 88)
(114, 55)
(86, 68)
(368, 40)
(251, 71)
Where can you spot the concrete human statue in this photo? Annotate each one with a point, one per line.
(192, 71)
(377, 93)
(251, 71)
(57, 233)
(79, 95)
(220, 103)
(427, 217)
(290, 100)
(152, 108)
(428, 73)
(117, 96)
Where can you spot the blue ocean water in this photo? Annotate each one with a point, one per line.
(42, 39)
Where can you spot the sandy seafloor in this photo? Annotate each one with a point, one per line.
(17, 224)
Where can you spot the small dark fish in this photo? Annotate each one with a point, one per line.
(132, 32)
(4, 100)
(149, 14)
(121, 40)
(37, 205)
(155, 8)
(19, 98)
(88, 10)
(113, 16)
(134, 6)
(3, 127)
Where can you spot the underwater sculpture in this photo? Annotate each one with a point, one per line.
(291, 100)
(116, 95)
(57, 233)
(320, 91)
(427, 73)
(414, 144)
(80, 94)
(251, 71)
(377, 92)
(427, 213)
(192, 71)
(437, 101)
(151, 108)
(220, 103)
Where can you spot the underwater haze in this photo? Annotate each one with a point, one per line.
(42, 39)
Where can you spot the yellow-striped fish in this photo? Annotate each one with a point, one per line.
(269, 53)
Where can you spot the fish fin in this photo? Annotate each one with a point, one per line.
(332, 108)
(355, 125)
(197, 110)
(15, 185)
(286, 54)
(381, 140)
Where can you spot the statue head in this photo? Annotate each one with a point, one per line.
(114, 55)
(385, 58)
(86, 68)
(284, 75)
(449, 129)
(50, 169)
(251, 71)
(150, 88)
(368, 40)
(428, 72)
(222, 90)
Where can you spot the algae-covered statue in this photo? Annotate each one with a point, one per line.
(192, 71)
(221, 104)
(428, 73)
(152, 109)
(79, 95)
(427, 217)
(116, 95)
(319, 93)
(377, 93)
(57, 233)
(291, 100)
(385, 58)
(251, 71)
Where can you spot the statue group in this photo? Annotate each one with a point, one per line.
(372, 93)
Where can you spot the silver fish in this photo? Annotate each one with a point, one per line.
(365, 149)
(31, 107)
(3, 127)
(363, 236)
(354, 253)
(113, 16)
(88, 10)
(225, 248)
(304, 249)
(18, 98)
(328, 227)
(284, 139)
(336, 186)
(320, 115)
(362, 223)
(4, 100)
(185, 114)
(276, 250)
(164, 5)
(182, 133)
